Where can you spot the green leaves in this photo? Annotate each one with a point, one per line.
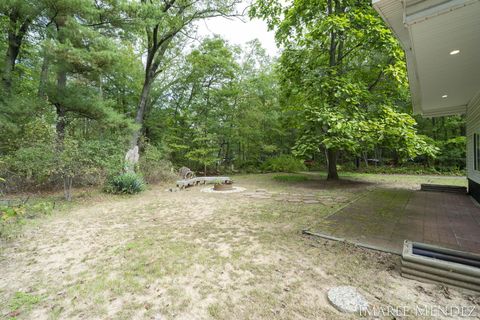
(205, 149)
(342, 72)
(283, 163)
(125, 183)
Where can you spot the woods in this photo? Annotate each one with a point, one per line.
(85, 81)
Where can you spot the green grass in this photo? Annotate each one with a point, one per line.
(22, 300)
(406, 179)
(215, 310)
(291, 178)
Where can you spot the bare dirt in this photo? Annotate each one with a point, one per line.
(194, 255)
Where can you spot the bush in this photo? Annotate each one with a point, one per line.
(453, 153)
(283, 163)
(125, 183)
(28, 168)
(248, 166)
(154, 167)
(87, 162)
(317, 165)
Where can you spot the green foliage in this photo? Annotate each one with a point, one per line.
(87, 162)
(125, 183)
(154, 167)
(452, 153)
(28, 167)
(283, 163)
(222, 109)
(204, 151)
(342, 98)
(249, 166)
(290, 178)
(91, 160)
(22, 300)
(74, 94)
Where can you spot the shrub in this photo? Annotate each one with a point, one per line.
(248, 166)
(283, 163)
(87, 162)
(154, 167)
(317, 165)
(125, 183)
(28, 167)
(452, 153)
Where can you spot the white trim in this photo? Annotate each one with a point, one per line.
(412, 73)
(436, 10)
(396, 15)
(450, 111)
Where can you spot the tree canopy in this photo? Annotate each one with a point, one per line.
(85, 81)
(343, 75)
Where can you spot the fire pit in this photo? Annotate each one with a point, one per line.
(228, 185)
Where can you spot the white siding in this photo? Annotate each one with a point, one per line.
(473, 126)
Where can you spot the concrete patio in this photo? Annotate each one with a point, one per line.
(384, 218)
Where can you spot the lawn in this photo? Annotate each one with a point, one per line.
(196, 255)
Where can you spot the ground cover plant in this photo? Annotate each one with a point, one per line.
(290, 178)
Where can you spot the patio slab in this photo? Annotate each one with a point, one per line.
(386, 217)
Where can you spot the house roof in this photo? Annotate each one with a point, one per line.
(442, 82)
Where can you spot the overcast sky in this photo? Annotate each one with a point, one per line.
(239, 32)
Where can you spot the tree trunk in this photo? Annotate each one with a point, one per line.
(67, 187)
(10, 58)
(365, 159)
(61, 121)
(60, 126)
(15, 38)
(332, 164)
(60, 109)
(43, 76)
(45, 63)
(142, 105)
(396, 158)
(9, 64)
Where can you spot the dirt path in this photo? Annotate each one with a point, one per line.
(193, 255)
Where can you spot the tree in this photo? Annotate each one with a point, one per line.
(204, 150)
(81, 54)
(229, 92)
(340, 66)
(162, 22)
(20, 15)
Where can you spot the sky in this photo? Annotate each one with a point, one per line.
(239, 32)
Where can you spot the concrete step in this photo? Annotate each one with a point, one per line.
(442, 188)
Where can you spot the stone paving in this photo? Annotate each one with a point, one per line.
(386, 217)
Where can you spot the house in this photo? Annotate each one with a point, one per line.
(441, 40)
